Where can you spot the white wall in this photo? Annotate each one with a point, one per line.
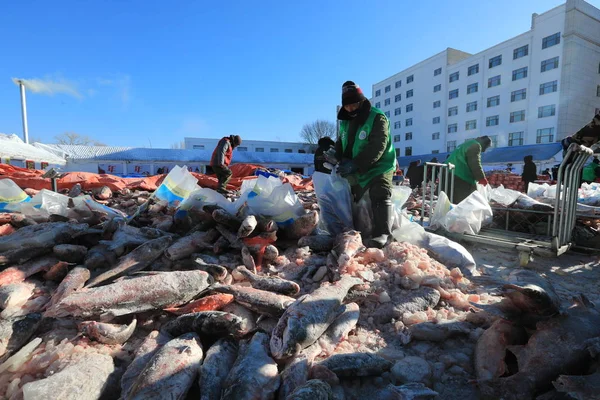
(250, 145)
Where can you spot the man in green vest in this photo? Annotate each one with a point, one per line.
(468, 170)
(591, 172)
(367, 157)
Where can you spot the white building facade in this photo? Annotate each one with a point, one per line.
(258, 146)
(535, 88)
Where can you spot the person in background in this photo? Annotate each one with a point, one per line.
(398, 175)
(430, 176)
(415, 174)
(529, 172)
(547, 172)
(221, 158)
(324, 144)
(591, 172)
(468, 170)
(366, 157)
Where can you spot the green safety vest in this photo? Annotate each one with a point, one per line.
(589, 172)
(459, 159)
(386, 163)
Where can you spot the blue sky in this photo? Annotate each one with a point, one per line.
(141, 73)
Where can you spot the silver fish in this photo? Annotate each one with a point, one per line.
(15, 332)
(171, 371)
(260, 301)
(356, 364)
(216, 367)
(106, 333)
(309, 317)
(205, 323)
(314, 389)
(75, 280)
(270, 283)
(254, 374)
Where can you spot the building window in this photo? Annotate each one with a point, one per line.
(435, 152)
(387, 114)
(472, 106)
(549, 64)
(242, 148)
(453, 76)
(378, 92)
(260, 150)
(517, 116)
(492, 121)
(397, 152)
(437, 88)
(388, 88)
(452, 111)
(288, 151)
(397, 125)
(494, 81)
(518, 95)
(435, 136)
(409, 93)
(408, 122)
(198, 147)
(396, 138)
(378, 105)
(515, 138)
(521, 52)
(472, 88)
(437, 72)
(274, 150)
(452, 128)
(548, 87)
(409, 107)
(551, 40)
(398, 111)
(408, 136)
(473, 69)
(451, 146)
(546, 111)
(435, 120)
(409, 79)
(397, 98)
(453, 94)
(598, 91)
(387, 102)
(545, 135)
(493, 101)
(408, 151)
(437, 104)
(398, 84)
(495, 61)
(470, 125)
(519, 73)
(494, 139)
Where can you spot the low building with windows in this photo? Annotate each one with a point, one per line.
(258, 146)
(534, 88)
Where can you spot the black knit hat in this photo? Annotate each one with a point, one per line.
(236, 140)
(351, 93)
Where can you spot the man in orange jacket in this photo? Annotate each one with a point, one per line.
(221, 158)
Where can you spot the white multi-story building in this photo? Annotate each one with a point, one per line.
(258, 146)
(537, 87)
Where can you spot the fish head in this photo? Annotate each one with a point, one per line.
(87, 328)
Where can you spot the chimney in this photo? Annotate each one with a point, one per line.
(24, 111)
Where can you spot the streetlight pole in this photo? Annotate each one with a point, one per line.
(24, 111)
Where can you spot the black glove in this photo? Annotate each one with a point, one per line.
(347, 167)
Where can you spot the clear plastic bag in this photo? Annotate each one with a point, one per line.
(335, 202)
(176, 186)
(271, 198)
(504, 196)
(399, 196)
(11, 195)
(205, 196)
(466, 217)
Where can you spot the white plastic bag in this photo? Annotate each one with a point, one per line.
(335, 202)
(399, 196)
(503, 196)
(176, 186)
(468, 216)
(11, 195)
(205, 196)
(485, 190)
(270, 198)
(84, 205)
(51, 202)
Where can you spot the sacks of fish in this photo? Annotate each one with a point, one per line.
(221, 304)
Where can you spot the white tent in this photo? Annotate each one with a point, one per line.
(16, 152)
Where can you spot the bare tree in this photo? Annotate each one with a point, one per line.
(178, 145)
(76, 138)
(311, 133)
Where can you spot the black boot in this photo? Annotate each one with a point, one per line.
(382, 224)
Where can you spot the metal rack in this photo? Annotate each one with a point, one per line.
(560, 222)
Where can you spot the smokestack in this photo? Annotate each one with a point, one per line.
(24, 111)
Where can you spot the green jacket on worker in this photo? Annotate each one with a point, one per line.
(589, 172)
(467, 161)
(367, 141)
